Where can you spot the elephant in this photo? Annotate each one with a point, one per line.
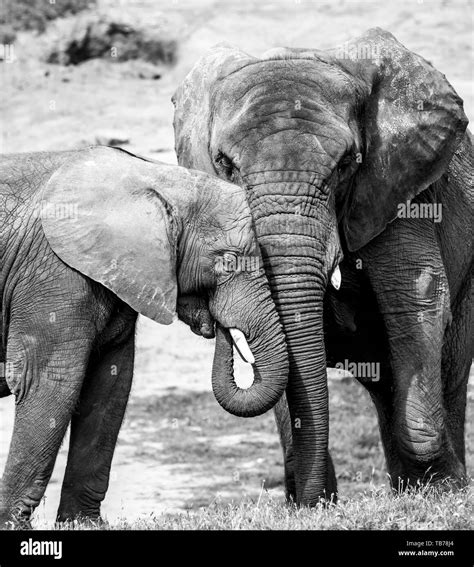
(89, 239)
(340, 151)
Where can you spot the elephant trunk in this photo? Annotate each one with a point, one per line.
(307, 396)
(264, 339)
(299, 245)
(299, 301)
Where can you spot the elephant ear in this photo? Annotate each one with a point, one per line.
(193, 100)
(103, 215)
(413, 123)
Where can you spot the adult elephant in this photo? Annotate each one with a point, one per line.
(330, 146)
(88, 240)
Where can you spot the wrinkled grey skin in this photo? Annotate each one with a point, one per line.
(328, 144)
(71, 286)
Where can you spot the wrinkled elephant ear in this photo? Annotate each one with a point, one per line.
(103, 215)
(413, 122)
(192, 102)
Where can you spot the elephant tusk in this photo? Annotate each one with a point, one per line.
(240, 343)
(336, 278)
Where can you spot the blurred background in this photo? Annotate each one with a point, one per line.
(78, 72)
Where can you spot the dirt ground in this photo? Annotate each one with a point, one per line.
(177, 449)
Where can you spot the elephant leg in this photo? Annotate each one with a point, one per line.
(455, 400)
(354, 333)
(95, 427)
(367, 345)
(383, 402)
(407, 275)
(283, 421)
(456, 364)
(46, 377)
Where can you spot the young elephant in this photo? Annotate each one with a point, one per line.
(88, 240)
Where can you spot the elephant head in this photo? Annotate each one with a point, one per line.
(326, 144)
(157, 234)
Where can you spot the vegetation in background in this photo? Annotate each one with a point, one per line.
(19, 15)
(109, 36)
(94, 34)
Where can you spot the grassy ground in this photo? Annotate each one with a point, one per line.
(374, 509)
(184, 463)
(240, 461)
(181, 461)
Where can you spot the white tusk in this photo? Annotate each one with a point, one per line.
(241, 345)
(336, 278)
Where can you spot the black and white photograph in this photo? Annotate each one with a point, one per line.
(236, 280)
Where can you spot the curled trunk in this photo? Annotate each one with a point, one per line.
(255, 316)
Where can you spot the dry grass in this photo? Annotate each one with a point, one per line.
(425, 509)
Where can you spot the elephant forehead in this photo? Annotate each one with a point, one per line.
(291, 78)
(260, 110)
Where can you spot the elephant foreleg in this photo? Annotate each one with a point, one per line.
(94, 429)
(46, 378)
(458, 351)
(408, 277)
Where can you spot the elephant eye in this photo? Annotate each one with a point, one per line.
(224, 164)
(346, 161)
(345, 165)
